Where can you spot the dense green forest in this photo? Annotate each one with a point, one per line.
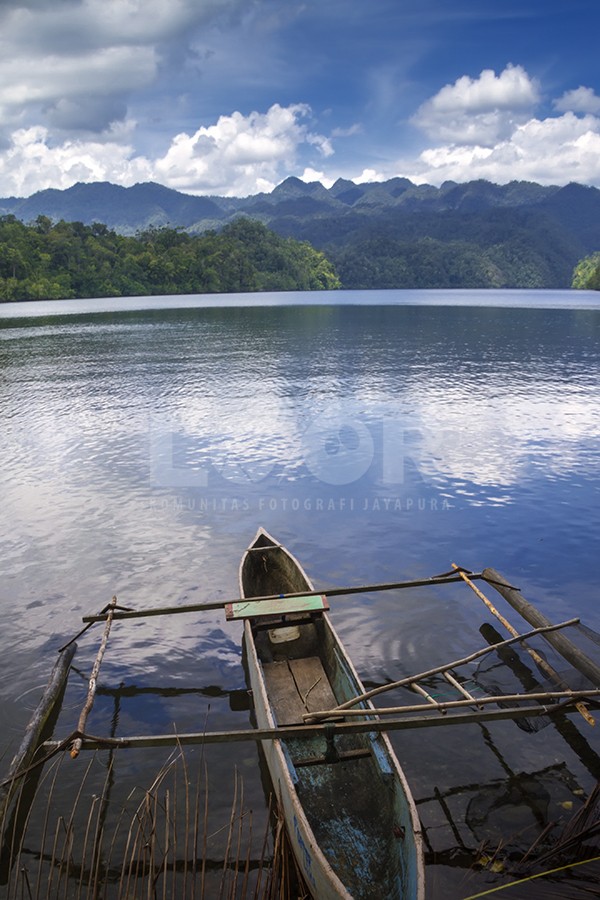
(587, 273)
(391, 234)
(43, 260)
(509, 249)
(68, 259)
(430, 262)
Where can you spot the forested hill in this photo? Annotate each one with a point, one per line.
(392, 234)
(65, 260)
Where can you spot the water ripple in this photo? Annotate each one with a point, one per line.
(141, 450)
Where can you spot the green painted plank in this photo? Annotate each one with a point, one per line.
(251, 609)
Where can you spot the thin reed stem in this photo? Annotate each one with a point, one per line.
(156, 844)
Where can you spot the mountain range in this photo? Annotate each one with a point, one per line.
(381, 234)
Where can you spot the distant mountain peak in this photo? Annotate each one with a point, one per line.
(295, 187)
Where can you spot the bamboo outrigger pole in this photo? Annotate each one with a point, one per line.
(549, 670)
(443, 705)
(437, 670)
(93, 680)
(364, 726)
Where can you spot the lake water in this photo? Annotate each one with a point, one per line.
(380, 436)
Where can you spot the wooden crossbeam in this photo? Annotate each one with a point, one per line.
(330, 592)
(364, 726)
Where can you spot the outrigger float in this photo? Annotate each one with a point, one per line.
(350, 816)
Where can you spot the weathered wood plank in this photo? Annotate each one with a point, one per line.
(312, 684)
(296, 687)
(283, 693)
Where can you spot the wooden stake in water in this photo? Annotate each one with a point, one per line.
(527, 610)
(77, 743)
(35, 728)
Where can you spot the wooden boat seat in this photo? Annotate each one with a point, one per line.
(296, 687)
(278, 606)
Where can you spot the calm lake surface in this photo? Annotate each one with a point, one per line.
(380, 436)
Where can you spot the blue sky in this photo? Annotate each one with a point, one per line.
(230, 97)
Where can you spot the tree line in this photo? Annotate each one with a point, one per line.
(63, 260)
(494, 249)
(587, 273)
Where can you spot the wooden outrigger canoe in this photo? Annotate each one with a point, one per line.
(351, 818)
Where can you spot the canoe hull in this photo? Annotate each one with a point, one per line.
(317, 871)
(352, 824)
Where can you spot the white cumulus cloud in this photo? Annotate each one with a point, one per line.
(487, 127)
(31, 163)
(581, 100)
(554, 150)
(239, 154)
(479, 110)
(236, 156)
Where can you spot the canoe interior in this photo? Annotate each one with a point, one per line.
(357, 808)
